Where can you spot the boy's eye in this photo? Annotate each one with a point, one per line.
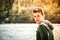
(34, 16)
(38, 15)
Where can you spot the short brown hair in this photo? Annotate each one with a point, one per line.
(38, 10)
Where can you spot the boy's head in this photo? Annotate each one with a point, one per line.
(38, 15)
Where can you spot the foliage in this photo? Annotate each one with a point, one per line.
(20, 11)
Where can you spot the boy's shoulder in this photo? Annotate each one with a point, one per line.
(43, 24)
(46, 23)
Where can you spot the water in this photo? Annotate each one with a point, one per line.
(23, 31)
(18, 31)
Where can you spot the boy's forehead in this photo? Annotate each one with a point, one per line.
(37, 13)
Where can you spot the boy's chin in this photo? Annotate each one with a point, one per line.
(37, 22)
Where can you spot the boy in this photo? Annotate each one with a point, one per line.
(44, 31)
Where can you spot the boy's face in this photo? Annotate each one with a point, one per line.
(38, 17)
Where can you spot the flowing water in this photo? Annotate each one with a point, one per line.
(23, 31)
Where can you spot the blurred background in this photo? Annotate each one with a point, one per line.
(20, 11)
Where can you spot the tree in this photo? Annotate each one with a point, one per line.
(5, 6)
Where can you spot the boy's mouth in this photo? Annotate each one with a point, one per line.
(37, 20)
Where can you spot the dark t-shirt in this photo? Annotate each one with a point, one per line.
(44, 31)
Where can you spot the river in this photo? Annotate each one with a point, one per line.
(23, 31)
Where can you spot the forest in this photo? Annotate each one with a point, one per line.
(20, 11)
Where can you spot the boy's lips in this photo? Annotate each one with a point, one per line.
(37, 20)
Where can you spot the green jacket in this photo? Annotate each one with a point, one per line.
(44, 31)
